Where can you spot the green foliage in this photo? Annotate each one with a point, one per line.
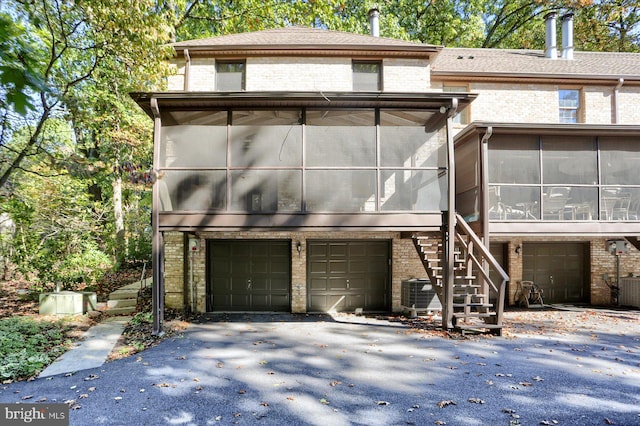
(142, 318)
(17, 67)
(27, 346)
(80, 269)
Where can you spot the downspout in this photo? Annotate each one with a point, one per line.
(156, 237)
(484, 182)
(187, 69)
(450, 226)
(615, 101)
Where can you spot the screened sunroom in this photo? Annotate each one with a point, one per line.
(536, 178)
(301, 160)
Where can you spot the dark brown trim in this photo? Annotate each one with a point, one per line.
(560, 229)
(301, 222)
(545, 129)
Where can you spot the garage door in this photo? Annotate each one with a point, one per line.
(248, 275)
(346, 275)
(559, 269)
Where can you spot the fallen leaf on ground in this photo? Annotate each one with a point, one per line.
(476, 400)
(440, 422)
(27, 397)
(324, 401)
(446, 402)
(608, 421)
(382, 403)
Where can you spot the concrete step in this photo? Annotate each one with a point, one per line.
(474, 315)
(473, 305)
(121, 311)
(121, 303)
(123, 294)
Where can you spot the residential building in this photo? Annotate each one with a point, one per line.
(306, 170)
(548, 166)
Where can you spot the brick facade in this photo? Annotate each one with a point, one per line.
(405, 264)
(299, 74)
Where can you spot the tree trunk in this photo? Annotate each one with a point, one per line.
(119, 220)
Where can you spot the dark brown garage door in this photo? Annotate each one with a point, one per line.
(346, 275)
(559, 269)
(248, 275)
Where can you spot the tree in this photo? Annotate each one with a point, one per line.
(88, 55)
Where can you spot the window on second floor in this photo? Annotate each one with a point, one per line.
(367, 76)
(569, 105)
(230, 76)
(463, 116)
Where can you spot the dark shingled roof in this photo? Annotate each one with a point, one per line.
(302, 38)
(532, 63)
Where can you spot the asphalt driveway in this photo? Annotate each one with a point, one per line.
(579, 367)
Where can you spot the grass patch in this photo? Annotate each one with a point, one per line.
(28, 345)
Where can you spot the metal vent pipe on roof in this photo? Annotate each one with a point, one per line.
(567, 36)
(551, 50)
(374, 22)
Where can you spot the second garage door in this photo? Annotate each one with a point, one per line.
(559, 269)
(346, 275)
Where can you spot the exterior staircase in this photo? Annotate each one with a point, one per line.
(124, 301)
(473, 302)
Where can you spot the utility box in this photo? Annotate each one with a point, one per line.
(67, 303)
(419, 295)
(629, 292)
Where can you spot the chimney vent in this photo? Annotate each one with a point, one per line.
(567, 36)
(550, 51)
(374, 22)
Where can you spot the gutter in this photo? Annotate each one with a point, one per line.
(187, 69)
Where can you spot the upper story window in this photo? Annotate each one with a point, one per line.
(230, 76)
(463, 116)
(367, 76)
(569, 105)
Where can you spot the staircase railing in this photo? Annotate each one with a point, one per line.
(477, 253)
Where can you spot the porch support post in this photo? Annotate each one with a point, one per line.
(157, 248)
(448, 276)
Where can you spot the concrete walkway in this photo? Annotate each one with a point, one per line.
(92, 351)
